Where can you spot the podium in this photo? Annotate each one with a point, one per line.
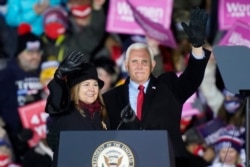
(133, 148)
(233, 64)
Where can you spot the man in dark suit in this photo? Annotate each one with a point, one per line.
(164, 95)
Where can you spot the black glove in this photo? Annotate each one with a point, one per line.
(197, 27)
(71, 63)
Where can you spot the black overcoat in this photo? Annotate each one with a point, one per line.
(163, 101)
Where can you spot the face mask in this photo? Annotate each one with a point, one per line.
(232, 105)
(54, 30)
(4, 160)
(81, 11)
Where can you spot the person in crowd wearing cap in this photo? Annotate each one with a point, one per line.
(160, 99)
(87, 25)
(28, 12)
(232, 110)
(107, 71)
(228, 147)
(75, 101)
(55, 36)
(20, 86)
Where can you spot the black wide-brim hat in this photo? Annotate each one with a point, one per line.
(88, 71)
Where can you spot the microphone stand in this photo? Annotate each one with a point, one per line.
(120, 123)
(127, 115)
(246, 93)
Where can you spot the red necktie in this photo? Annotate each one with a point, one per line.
(140, 99)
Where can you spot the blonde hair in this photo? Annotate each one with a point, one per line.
(74, 96)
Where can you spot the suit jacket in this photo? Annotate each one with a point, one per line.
(162, 103)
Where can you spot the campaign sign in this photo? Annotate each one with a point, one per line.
(239, 34)
(191, 107)
(231, 10)
(211, 130)
(33, 116)
(152, 29)
(120, 17)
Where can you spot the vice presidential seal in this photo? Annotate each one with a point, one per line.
(113, 154)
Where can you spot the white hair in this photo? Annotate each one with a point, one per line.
(136, 46)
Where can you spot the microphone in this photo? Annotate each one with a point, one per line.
(127, 115)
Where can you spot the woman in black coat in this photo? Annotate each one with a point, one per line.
(75, 101)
